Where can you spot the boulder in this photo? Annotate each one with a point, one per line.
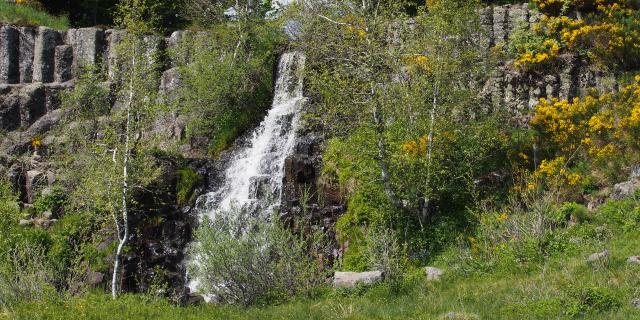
(351, 279)
(636, 303)
(9, 108)
(624, 189)
(598, 257)
(27, 49)
(63, 63)
(433, 274)
(94, 279)
(9, 55)
(32, 104)
(25, 223)
(88, 45)
(35, 178)
(47, 215)
(44, 54)
(634, 260)
(194, 300)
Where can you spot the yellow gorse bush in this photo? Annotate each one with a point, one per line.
(608, 30)
(603, 128)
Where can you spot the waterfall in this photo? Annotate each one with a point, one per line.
(254, 174)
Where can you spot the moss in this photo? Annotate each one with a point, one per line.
(188, 181)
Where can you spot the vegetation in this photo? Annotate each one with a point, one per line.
(431, 174)
(30, 14)
(505, 281)
(604, 31)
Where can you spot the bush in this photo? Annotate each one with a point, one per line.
(386, 255)
(54, 201)
(25, 276)
(188, 181)
(249, 260)
(591, 299)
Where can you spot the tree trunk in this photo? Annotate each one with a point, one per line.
(125, 186)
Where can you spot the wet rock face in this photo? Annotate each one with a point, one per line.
(162, 233)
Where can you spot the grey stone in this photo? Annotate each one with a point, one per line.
(633, 260)
(598, 256)
(88, 45)
(624, 189)
(32, 104)
(486, 22)
(433, 274)
(114, 61)
(351, 279)
(94, 278)
(27, 49)
(25, 223)
(9, 55)
(517, 16)
(44, 54)
(35, 178)
(9, 108)
(499, 24)
(47, 215)
(63, 63)
(170, 81)
(259, 187)
(636, 303)
(568, 85)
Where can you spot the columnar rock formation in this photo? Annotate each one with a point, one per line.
(519, 91)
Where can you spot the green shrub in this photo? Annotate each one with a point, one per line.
(581, 301)
(248, 260)
(571, 211)
(54, 201)
(188, 181)
(25, 276)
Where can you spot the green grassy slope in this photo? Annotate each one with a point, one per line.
(563, 286)
(26, 15)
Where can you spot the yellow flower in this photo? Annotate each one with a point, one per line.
(503, 217)
(36, 142)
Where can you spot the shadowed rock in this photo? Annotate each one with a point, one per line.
(44, 54)
(9, 55)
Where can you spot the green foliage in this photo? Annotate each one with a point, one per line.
(54, 201)
(249, 260)
(25, 276)
(227, 83)
(30, 15)
(572, 211)
(584, 300)
(149, 16)
(188, 181)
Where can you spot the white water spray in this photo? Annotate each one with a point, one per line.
(253, 177)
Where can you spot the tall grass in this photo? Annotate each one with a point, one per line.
(27, 15)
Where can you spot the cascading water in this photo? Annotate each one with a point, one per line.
(253, 177)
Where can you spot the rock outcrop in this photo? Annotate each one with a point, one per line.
(352, 279)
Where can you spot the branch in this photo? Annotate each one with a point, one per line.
(333, 21)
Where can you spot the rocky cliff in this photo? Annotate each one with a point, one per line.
(36, 64)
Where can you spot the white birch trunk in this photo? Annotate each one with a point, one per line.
(125, 186)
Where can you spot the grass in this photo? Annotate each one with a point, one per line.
(27, 15)
(562, 287)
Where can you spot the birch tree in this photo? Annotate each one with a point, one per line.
(393, 94)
